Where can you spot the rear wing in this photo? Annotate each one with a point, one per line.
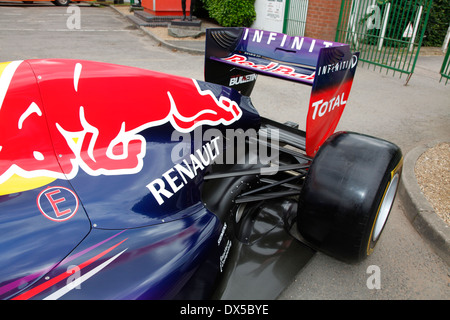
(235, 56)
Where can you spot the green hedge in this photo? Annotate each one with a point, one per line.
(436, 29)
(231, 13)
(438, 23)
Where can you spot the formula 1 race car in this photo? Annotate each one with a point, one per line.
(123, 183)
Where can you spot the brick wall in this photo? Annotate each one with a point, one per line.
(322, 19)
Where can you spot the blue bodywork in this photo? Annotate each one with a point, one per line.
(121, 239)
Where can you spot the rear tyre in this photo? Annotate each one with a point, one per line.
(348, 194)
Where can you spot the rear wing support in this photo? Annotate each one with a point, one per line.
(235, 56)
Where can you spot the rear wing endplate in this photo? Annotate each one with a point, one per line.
(235, 56)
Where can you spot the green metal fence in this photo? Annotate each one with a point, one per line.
(295, 17)
(387, 33)
(445, 69)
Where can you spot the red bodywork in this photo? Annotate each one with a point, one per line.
(80, 107)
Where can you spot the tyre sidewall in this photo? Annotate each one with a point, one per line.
(342, 193)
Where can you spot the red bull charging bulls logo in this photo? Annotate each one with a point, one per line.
(57, 116)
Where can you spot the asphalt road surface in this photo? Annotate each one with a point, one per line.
(379, 105)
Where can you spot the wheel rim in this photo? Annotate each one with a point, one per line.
(385, 207)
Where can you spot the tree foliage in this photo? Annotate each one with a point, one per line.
(438, 23)
(232, 13)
